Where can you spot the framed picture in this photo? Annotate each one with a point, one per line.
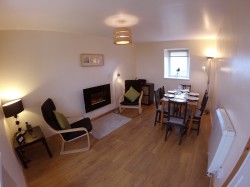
(20, 138)
(92, 59)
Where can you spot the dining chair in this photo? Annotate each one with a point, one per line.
(198, 115)
(186, 87)
(177, 115)
(159, 107)
(162, 91)
(203, 99)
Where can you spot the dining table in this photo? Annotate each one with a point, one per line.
(192, 98)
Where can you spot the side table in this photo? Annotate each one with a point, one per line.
(32, 136)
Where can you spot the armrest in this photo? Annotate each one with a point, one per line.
(73, 119)
(78, 116)
(72, 130)
(140, 98)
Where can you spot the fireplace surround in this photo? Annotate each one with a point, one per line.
(96, 97)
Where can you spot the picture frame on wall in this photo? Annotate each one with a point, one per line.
(92, 60)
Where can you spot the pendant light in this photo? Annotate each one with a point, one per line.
(122, 36)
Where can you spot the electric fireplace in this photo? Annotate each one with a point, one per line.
(96, 97)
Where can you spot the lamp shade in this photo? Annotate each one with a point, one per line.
(122, 36)
(13, 108)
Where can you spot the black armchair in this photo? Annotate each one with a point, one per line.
(125, 102)
(76, 130)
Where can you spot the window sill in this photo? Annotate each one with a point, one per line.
(177, 78)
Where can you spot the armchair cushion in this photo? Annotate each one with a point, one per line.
(132, 94)
(62, 120)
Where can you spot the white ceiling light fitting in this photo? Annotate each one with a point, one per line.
(122, 36)
(122, 33)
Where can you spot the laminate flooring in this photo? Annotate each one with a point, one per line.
(133, 155)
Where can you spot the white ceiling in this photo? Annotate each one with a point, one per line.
(158, 20)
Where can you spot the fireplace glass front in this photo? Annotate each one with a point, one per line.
(96, 97)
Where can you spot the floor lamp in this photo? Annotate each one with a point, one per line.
(209, 59)
(116, 108)
(207, 70)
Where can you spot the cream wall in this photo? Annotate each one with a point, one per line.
(231, 79)
(12, 174)
(35, 65)
(150, 61)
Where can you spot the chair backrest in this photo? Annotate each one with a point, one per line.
(177, 110)
(47, 110)
(136, 84)
(203, 106)
(186, 86)
(162, 91)
(157, 98)
(203, 99)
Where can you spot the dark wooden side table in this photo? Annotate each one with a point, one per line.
(33, 136)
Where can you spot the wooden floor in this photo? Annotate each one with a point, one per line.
(134, 155)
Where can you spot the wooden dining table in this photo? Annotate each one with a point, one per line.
(192, 105)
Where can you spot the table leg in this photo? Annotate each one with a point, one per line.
(20, 156)
(47, 147)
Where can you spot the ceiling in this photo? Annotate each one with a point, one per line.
(158, 20)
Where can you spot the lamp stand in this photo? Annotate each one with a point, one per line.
(116, 110)
(19, 129)
(209, 61)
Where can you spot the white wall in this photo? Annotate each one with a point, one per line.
(12, 174)
(231, 78)
(36, 65)
(150, 60)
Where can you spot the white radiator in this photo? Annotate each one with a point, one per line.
(220, 141)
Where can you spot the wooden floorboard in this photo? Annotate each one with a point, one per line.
(134, 155)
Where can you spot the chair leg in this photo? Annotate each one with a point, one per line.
(62, 147)
(140, 110)
(198, 128)
(63, 152)
(167, 130)
(182, 132)
(157, 117)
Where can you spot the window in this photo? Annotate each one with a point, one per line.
(176, 63)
